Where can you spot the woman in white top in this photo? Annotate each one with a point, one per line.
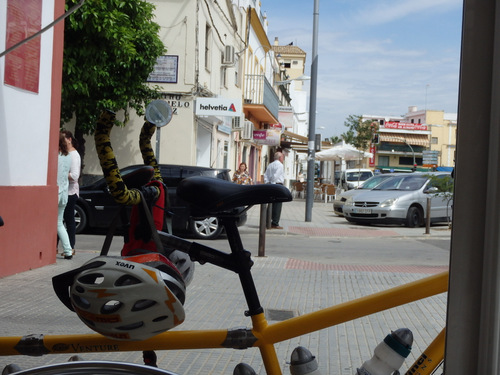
(74, 188)
(63, 166)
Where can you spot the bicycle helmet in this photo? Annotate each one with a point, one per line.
(124, 298)
(176, 258)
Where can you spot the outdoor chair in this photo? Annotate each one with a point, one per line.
(329, 192)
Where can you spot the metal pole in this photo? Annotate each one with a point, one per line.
(262, 230)
(312, 116)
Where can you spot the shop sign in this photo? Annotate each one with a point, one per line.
(218, 107)
(372, 151)
(404, 126)
(269, 137)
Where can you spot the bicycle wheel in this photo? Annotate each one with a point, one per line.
(94, 368)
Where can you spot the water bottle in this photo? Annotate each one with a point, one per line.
(389, 355)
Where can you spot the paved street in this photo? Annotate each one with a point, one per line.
(307, 266)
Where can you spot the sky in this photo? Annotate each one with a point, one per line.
(375, 57)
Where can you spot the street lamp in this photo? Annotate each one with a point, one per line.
(312, 116)
(411, 148)
(303, 77)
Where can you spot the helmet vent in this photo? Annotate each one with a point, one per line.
(92, 279)
(143, 304)
(80, 301)
(130, 327)
(127, 280)
(160, 318)
(111, 307)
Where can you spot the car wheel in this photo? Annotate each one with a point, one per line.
(206, 229)
(414, 217)
(80, 219)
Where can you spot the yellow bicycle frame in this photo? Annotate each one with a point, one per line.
(262, 334)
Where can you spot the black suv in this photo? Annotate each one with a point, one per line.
(96, 208)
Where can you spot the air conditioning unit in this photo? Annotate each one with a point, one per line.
(228, 55)
(247, 132)
(237, 123)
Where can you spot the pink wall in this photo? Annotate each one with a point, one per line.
(28, 237)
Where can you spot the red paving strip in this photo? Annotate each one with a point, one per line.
(341, 232)
(296, 264)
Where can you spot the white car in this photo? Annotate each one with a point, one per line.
(352, 178)
(403, 200)
(369, 184)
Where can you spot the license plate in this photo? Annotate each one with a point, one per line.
(362, 210)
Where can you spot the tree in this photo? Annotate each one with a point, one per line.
(335, 139)
(110, 49)
(360, 133)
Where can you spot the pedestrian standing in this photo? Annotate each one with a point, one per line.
(275, 174)
(241, 176)
(63, 166)
(73, 188)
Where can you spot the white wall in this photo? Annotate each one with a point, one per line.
(25, 116)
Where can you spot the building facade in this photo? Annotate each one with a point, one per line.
(218, 56)
(30, 95)
(403, 142)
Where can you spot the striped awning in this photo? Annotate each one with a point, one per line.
(412, 139)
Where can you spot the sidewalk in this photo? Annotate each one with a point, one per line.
(324, 222)
(287, 288)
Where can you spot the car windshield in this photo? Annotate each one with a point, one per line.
(374, 181)
(403, 183)
(358, 176)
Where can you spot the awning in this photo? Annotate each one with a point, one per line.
(299, 143)
(295, 137)
(412, 139)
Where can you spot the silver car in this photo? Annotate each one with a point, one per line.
(403, 200)
(369, 184)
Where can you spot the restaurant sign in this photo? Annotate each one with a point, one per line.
(404, 126)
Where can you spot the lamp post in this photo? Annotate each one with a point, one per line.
(411, 148)
(312, 116)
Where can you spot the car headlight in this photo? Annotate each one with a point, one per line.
(388, 202)
(349, 202)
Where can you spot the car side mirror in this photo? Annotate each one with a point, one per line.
(431, 190)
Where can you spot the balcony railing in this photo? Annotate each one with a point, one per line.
(258, 90)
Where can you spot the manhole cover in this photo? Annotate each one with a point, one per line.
(280, 315)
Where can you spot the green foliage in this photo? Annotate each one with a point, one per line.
(110, 48)
(335, 139)
(443, 185)
(360, 133)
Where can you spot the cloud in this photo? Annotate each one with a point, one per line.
(383, 12)
(377, 57)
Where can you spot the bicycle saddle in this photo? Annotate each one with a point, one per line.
(138, 177)
(212, 196)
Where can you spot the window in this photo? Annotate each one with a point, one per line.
(434, 140)
(226, 152)
(383, 161)
(237, 71)
(287, 64)
(208, 42)
(223, 73)
(295, 62)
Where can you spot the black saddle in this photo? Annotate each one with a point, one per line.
(213, 196)
(138, 177)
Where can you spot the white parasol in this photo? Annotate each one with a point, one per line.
(346, 152)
